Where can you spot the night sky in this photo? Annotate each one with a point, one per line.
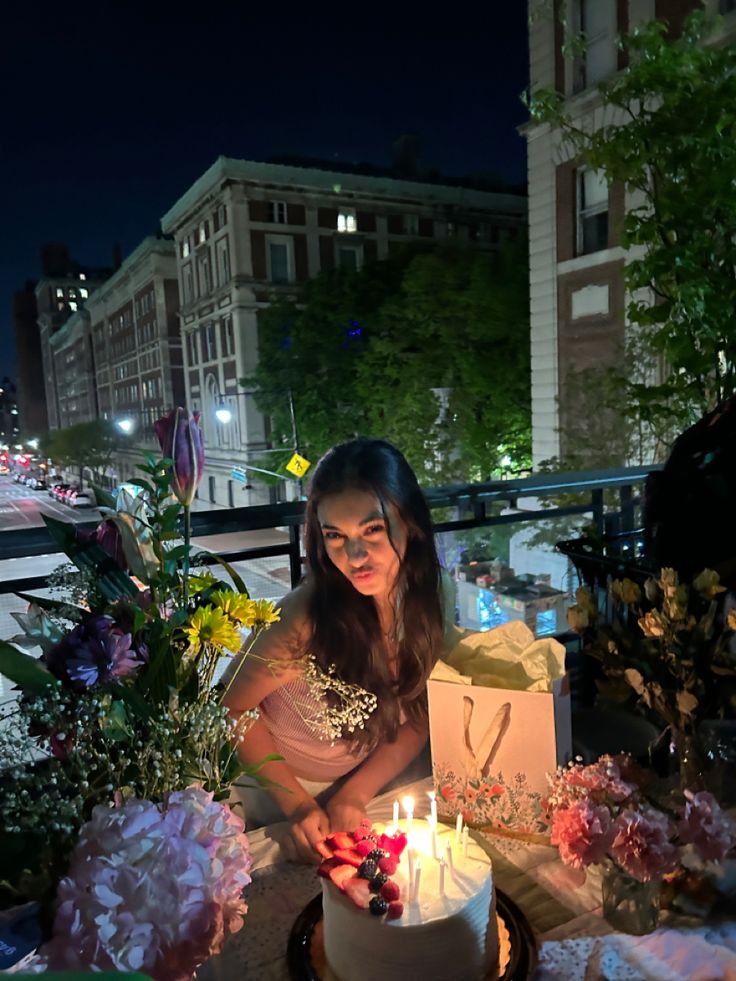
(110, 112)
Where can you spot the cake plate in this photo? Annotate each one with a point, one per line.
(305, 954)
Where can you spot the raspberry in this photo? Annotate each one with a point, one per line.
(367, 869)
(388, 864)
(364, 847)
(378, 906)
(395, 910)
(390, 891)
(377, 882)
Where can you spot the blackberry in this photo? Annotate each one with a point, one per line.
(377, 854)
(367, 869)
(378, 882)
(378, 905)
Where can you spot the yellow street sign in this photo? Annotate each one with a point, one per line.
(298, 465)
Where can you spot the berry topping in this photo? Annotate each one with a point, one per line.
(388, 864)
(366, 823)
(326, 866)
(377, 882)
(340, 839)
(357, 890)
(390, 891)
(378, 906)
(377, 854)
(364, 847)
(340, 875)
(394, 844)
(367, 869)
(359, 834)
(324, 849)
(395, 910)
(349, 856)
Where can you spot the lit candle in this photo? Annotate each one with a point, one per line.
(448, 855)
(417, 878)
(458, 828)
(433, 809)
(396, 813)
(465, 842)
(408, 803)
(434, 845)
(442, 877)
(410, 860)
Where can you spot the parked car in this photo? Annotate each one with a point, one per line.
(39, 483)
(61, 490)
(82, 499)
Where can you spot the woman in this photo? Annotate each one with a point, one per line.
(371, 608)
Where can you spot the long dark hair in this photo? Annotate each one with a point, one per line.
(346, 630)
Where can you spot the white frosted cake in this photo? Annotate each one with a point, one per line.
(436, 935)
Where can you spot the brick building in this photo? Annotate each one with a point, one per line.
(577, 295)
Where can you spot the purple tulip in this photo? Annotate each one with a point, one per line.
(181, 440)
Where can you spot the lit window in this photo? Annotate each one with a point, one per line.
(202, 232)
(185, 248)
(346, 221)
(72, 294)
(277, 212)
(592, 202)
(83, 276)
(72, 304)
(59, 292)
(83, 293)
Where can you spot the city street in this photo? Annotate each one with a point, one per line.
(22, 508)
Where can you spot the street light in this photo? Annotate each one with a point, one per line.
(125, 425)
(223, 413)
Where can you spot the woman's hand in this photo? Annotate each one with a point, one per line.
(345, 813)
(308, 825)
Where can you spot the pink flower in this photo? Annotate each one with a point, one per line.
(447, 792)
(641, 844)
(150, 888)
(706, 827)
(582, 832)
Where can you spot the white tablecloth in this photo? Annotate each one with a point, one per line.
(563, 907)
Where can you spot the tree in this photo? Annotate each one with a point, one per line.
(87, 444)
(670, 137)
(429, 349)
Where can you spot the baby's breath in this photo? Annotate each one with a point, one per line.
(334, 708)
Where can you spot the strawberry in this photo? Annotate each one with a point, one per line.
(358, 891)
(395, 910)
(341, 874)
(364, 847)
(349, 856)
(326, 866)
(390, 891)
(388, 864)
(393, 843)
(324, 849)
(340, 839)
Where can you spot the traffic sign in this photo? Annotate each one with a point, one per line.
(298, 465)
(238, 475)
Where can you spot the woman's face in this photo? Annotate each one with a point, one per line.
(357, 541)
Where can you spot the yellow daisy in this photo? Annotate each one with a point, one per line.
(263, 613)
(238, 606)
(210, 625)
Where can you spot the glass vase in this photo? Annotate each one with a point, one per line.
(629, 906)
(688, 760)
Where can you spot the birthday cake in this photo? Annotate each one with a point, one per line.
(395, 908)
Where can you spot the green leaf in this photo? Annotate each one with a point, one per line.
(23, 670)
(237, 580)
(115, 724)
(50, 604)
(104, 498)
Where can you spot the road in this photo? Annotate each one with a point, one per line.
(22, 508)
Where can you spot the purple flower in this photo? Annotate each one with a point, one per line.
(95, 652)
(108, 537)
(706, 826)
(181, 441)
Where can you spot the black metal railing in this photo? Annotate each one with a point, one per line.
(526, 500)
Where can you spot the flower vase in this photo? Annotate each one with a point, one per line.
(630, 906)
(688, 760)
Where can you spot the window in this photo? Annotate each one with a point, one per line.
(596, 20)
(192, 347)
(203, 232)
(346, 220)
(205, 276)
(185, 248)
(60, 292)
(592, 201)
(277, 212)
(209, 342)
(223, 261)
(72, 304)
(83, 293)
(220, 217)
(82, 276)
(411, 224)
(228, 340)
(350, 257)
(188, 284)
(279, 259)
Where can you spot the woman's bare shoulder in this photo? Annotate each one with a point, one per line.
(288, 638)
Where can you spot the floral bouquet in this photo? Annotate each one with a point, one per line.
(602, 814)
(118, 748)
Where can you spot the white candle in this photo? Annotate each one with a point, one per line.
(410, 860)
(396, 813)
(408, 803)
(458, 828)
(433, 809)
(434, 845)
(448, 855)
(442, 877)
(417, 878)
(465, 842)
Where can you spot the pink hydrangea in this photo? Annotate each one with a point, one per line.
(150, 888)
(582, 832)
(706, 827)
(600, 781)
(641, 844)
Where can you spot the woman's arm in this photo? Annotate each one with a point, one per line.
(347, 807)
(262, 671)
